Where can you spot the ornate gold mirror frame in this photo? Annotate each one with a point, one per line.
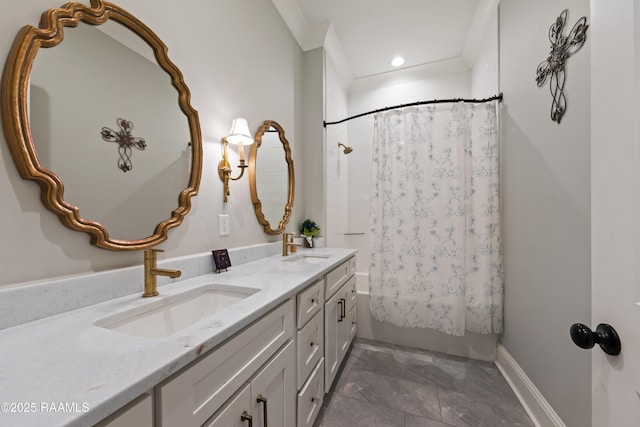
(257, 204)
(15, 116)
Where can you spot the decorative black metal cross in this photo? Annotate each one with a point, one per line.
(125, 141)
(561, 48)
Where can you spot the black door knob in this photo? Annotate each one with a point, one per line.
(605, 336)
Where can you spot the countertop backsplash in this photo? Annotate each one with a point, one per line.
(26, 302)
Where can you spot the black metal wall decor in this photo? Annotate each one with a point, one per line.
(562, 47)
(125, 142)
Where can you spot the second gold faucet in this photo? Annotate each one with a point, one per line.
(151, 271)
(286, 244)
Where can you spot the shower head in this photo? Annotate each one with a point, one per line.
(347, 149)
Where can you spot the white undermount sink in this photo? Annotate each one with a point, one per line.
(307, 258)
(174, 313)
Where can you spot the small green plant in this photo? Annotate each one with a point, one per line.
(309, 228)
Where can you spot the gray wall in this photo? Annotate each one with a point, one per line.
(235, 64)
(546, 201)
(313, 168)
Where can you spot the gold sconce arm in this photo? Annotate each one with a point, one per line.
(224, 172)
(239, 135)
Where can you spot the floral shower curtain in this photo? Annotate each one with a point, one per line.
(436, 257)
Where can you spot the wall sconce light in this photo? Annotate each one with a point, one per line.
(240, 136)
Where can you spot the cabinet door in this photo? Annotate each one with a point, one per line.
(273, 391)
(336, 335)
(138, 413)
(235, 413)
(331, 315)
(344, 325)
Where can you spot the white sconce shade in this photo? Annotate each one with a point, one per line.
(240, 133)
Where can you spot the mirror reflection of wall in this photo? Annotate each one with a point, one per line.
(272, 177)
(86, 83)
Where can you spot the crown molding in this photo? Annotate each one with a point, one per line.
(311, 37)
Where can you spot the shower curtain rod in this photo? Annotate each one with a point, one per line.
(413, 104)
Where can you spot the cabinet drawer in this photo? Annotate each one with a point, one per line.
(352, 293)
(353, 322)
(311, 396)
(352, 266)
(310, 301)
(192, 396)
(310, 345)
(336, 278)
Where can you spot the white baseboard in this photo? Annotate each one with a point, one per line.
(537, 407)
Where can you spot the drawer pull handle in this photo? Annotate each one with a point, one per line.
(313, 344)
(313, 300)
(314, 400)
(246, 417)
(262, 399)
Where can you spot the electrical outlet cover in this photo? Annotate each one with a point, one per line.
(224, 224)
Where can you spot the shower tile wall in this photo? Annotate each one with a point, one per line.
(337, 164)
(360, 138)
(337, 183)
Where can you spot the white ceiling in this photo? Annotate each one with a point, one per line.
(372, 32)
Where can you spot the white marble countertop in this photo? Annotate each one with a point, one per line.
(66, 362)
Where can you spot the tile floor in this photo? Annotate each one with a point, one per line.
(383, 385)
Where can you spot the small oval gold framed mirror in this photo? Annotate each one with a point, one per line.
(114, 156)
(271, 177)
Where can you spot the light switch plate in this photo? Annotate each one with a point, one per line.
(224, 224)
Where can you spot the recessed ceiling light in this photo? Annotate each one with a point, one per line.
(397, 61)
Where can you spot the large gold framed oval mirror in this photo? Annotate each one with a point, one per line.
(271, 177)
(94, 111)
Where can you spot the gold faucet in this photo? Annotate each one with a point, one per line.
(286, 244)
(151, 271)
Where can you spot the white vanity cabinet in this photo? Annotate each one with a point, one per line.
(253, 373)
(340, 317)
(310, 353)
(276, 371)
(263, 357)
